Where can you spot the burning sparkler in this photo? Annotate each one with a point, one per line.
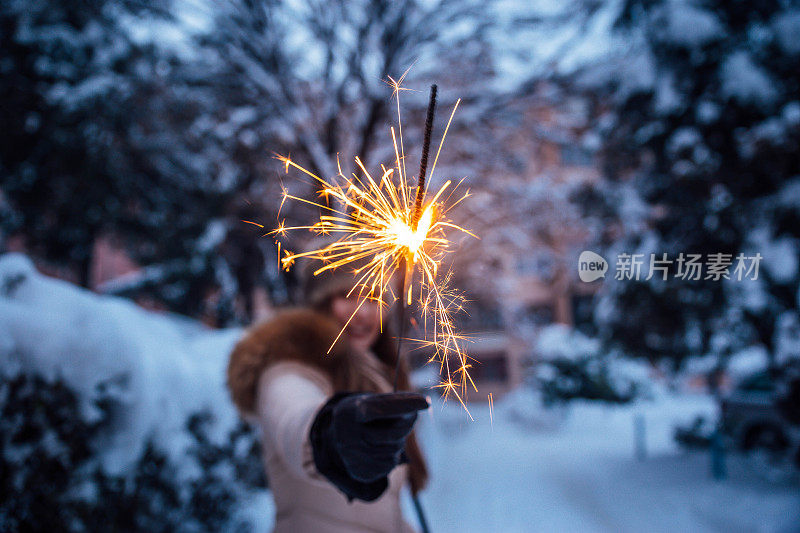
(386, 226)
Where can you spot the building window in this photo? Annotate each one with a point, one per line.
(538, 315)
(480, 316)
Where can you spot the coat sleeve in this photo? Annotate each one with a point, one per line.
(289, 397)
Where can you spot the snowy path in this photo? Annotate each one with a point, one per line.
(582, 476)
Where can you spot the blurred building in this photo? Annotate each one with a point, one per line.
(523, 270)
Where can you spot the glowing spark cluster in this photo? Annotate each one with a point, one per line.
(379, 233)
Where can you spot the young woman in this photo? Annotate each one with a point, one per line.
(337, 444)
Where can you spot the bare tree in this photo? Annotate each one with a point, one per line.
(315, 71)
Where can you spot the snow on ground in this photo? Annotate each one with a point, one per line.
(529, 469)
(581, 474)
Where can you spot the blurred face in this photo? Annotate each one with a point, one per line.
(364, 328)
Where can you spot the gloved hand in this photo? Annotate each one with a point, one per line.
(358, 438)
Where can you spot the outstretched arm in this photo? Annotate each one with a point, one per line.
(289, 397)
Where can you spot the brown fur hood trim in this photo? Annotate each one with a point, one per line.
(293, 335)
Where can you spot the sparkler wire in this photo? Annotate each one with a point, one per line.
(423, 162)
(423, 168)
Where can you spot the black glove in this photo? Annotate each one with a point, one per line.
(358, 438)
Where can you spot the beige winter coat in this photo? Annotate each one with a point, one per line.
(280, 373)
(289, 394)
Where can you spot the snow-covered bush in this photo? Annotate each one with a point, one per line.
(526, 407)
(747, 362)
(113, 415)
(572, 366)
(52, 479)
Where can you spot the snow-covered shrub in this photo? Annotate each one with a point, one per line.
(583, 378)
(115, 418)
(747, 362)
(525, 407)
(52, 478)
(571, 366)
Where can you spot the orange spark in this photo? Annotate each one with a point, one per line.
(374, 220)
